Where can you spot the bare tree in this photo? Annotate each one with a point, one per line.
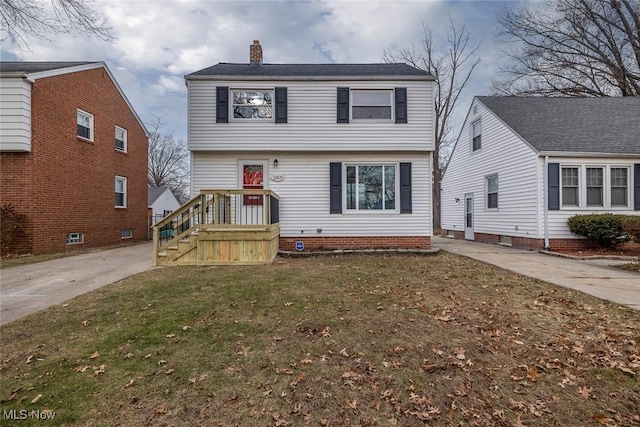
(572, 48)
(39, 18)
(168, 161)
(453, 65)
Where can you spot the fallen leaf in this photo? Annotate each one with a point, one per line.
(344, 353)
(130, 383)
(29, 360)
(94, 355)
(81, 368)
(99, 370)
(85, 323)
(35, 399)
(585, 391)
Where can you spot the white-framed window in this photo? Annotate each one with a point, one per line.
(85, 125)
(491, 186)
(371, 187)
(570, 186)
(126, 233)
(476, 135)
(595, 186)
(367, 104)
(252, 104)
(121, 139)
(619, 186)
(121, 192)
(75, 238)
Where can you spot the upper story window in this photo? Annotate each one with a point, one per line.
(371, 187)
(85, 125)
(252, 104)
(121, 192)
(492, 192)
(476, 135)
(121, 139)
(371, 104)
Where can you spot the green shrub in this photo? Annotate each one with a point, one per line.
(605, 229)
(631, 226)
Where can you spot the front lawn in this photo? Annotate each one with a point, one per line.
(327, 341)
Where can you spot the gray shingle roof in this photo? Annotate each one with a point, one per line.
(154, 193)
(36, 67)
(309, 70)
(576, 125)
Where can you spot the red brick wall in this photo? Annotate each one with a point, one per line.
(557, 245)
(330, 243)
(66, 184)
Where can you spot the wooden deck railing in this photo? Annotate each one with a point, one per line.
(223, 209)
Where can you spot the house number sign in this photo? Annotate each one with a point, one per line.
(276, 178)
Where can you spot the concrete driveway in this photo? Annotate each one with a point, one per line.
(30, 288)
(593, 277)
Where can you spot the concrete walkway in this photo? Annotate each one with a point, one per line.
(33, 287)
(594, 277)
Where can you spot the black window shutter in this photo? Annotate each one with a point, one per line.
(405, 188)
(343, 105)
(281, 105)
(553, 186)
(222, 104)
(401, 104)
(335, 188)
(636, 187)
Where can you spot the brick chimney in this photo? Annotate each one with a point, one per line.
(255, 53)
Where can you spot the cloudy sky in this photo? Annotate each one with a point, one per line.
(157, 42)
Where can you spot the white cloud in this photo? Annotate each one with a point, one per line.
(157, 42)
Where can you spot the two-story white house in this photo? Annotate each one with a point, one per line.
(522, 166)
(346, 147)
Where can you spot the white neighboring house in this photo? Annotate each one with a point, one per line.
(347, 147)
(162, 202)
(522, 166)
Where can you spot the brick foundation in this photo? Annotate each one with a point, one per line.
(555, 245)
(332, 243)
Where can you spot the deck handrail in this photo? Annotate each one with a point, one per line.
(212, 207)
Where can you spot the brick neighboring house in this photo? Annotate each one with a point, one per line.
(73, 156)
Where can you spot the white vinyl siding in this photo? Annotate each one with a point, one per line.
(166, 202)
(504, 154)
(15, 115)
(304, 192)
(311, 120)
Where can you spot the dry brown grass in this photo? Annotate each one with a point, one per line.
(352, 340)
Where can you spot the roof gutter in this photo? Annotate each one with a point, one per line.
(306, 78)
(585, 154)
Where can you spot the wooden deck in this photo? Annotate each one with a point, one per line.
(215, 228)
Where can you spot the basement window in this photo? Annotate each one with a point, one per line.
(126, 233)
(75, 238)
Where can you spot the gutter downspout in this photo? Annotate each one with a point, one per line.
(545, 201)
